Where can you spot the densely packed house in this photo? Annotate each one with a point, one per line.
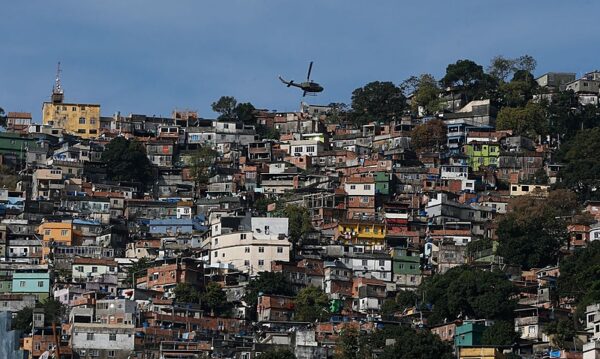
(184, 237)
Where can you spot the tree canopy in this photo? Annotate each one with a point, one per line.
(430, 136)
(528, 121)
(311, 304)
(500, 333)
(469, 292)
(377, 101)
(214, 298)
(580, 277)
(126, 160)
(266, 283)
(582, 164)
(54, 311)
(277, 354)
(531, 234)
(228, 108)
(299, 222)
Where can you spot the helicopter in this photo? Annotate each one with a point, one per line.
(308, 86)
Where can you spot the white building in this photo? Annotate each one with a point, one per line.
(103, 341)
(305, 148)
(252, 249)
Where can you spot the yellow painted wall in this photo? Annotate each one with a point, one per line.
(480, 353)
(67, 116)
(371, 233)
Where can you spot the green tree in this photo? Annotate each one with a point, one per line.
(427, 95)
(214, 298)
(54, 312)
(519, 90)
(246, 113)
(186, 293)
(338, 113)
(266, 132)
(228, 108)
(311, 304)
(469, 77)
(299, 222)
(532, 234)
(580, 277)
(202, 165)
(225, 107)
(562, 332)
(469, 292)
(404, 299)
(430, 136)
(500, 333)
(501, 67)
(277, 354)
(528, 121)
(417, 345)
(349, 344)
(126, 160)
(266, 283)
(581, 172)
(377, 101)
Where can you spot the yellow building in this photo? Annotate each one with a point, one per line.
(362, 232)
(55, 232)
(82, 120)
(480, 353)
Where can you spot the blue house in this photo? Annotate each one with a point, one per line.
(169, 226)
(35, 283)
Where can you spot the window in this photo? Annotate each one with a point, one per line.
(94, 269)
(243, 236)
(525, 188)
(261, 249)
(40, 283)
(279, 249)
(82, 121)
(261, 262)
(47, 232)
(367, 187)
(64, 232)
(381, 263)
(111, 353)
(364, 262)
(352, 186)
(310, 148)
(247, 250)
(112, 337)
(92, 121)
(93, 132)
(216, 254)
(22, 284)
(81, 130)
(216, 241)
(247, 263)
(90, 336)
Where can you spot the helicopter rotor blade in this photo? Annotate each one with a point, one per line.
(309, 71)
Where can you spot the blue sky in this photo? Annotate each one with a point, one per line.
(141, 56)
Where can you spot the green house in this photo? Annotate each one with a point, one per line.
(469, 334)
(406, 261)
(382, 183)
(481, 154)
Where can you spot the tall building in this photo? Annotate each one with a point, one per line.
(74, 118)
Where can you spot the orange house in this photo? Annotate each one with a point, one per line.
(57, 232)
